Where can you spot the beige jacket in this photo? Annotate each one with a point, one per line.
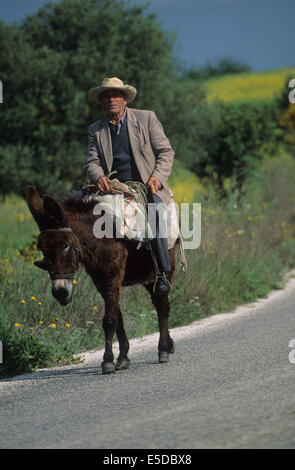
(151, 149)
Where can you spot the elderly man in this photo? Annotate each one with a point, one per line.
(132, 143)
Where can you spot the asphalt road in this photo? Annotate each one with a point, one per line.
(229, 385)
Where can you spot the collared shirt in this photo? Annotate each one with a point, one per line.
(117, 127)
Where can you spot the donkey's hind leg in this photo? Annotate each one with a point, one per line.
(162, 305)
(122, 361)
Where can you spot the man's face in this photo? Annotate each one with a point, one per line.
(113, 101)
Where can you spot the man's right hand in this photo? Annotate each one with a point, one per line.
(102, 184)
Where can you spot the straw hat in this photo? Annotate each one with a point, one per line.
(111, 84)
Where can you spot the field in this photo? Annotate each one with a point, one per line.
(257, 86)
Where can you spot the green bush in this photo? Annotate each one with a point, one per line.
(241, 130)
(22, 352)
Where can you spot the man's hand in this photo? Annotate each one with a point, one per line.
(102, 184)
(154, 182)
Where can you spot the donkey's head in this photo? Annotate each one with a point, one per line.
(58, 243)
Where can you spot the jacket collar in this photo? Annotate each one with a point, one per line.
(106, 141)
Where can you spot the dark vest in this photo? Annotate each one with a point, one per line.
(123, 160)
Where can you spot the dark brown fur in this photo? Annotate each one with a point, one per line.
(111, 263)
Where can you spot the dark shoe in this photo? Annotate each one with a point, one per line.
(162, 286)
(42, 264)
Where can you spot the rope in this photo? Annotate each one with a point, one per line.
(139, 190)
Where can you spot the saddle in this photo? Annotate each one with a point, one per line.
(128, 204)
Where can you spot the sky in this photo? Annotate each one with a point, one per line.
(257, 32)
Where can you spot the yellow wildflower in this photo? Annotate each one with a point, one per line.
(41, 322)
(39, 303)
(68, 325)
(17, 324)
(53, 325)
(23, 301)
(95, 308)
(74, 281)
(33, 298)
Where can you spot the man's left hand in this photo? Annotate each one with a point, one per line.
(155, 182)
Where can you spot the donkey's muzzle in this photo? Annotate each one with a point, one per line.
(62, 290)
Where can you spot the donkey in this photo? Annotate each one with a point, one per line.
(66, 239)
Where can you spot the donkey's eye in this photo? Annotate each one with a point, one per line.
(65, 249)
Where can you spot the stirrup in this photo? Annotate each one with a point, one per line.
(166, 285)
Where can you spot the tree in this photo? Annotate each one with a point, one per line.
(241, 129)
(50, 61)
(224, 66)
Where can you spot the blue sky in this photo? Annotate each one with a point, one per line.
(258, 32)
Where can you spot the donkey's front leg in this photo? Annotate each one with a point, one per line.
(110, 323)
(123, 361)
(166, 344)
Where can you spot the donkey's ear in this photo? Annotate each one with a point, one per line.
(54, 209)
(35, 203)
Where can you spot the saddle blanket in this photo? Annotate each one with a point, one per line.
(137, 221)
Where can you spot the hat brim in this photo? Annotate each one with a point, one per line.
(128, 90)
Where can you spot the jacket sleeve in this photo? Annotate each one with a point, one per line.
(162, 150)
(93, 164)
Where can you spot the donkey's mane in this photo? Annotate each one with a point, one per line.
(74, 204)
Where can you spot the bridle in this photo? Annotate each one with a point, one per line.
(76, 249)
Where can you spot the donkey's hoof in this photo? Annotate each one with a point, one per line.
(108, 368)
(122, 364)
(163, 357)
(171, 349)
